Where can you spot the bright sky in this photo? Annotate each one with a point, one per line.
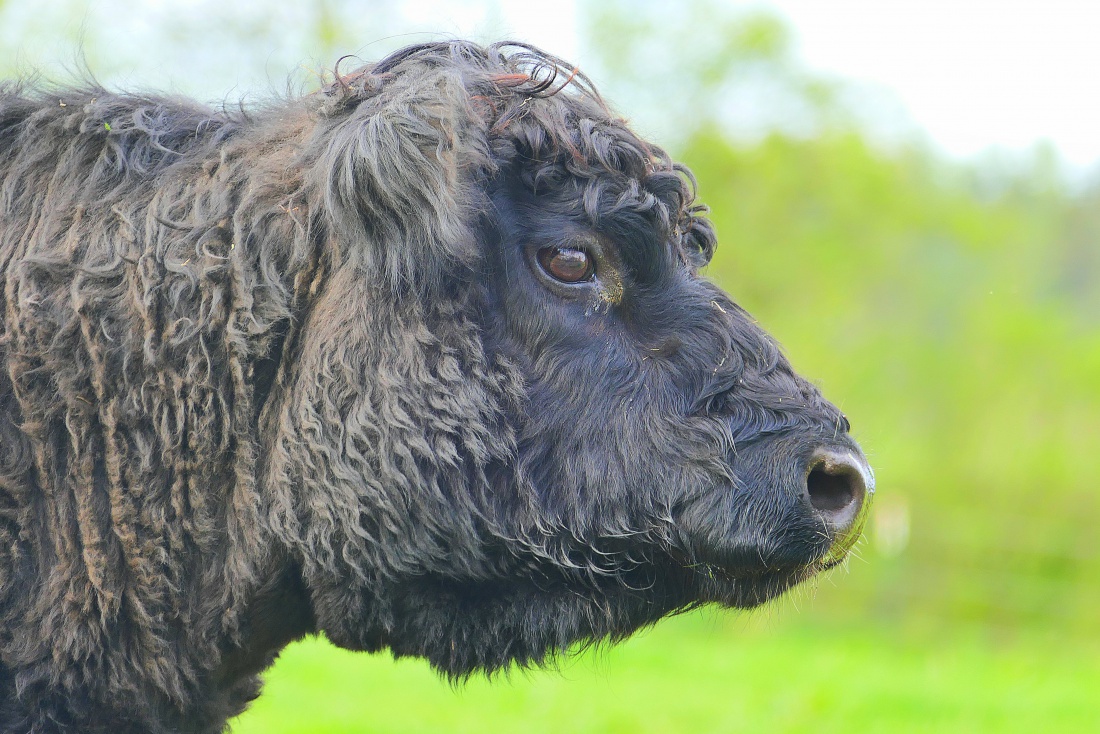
(972, 73)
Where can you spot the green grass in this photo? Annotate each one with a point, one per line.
(708, 672)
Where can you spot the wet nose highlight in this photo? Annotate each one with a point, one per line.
(837, 486)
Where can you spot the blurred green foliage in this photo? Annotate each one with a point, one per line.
(678, 73)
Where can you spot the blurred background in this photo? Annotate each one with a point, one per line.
(905, 196)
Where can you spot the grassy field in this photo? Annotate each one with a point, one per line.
(709, 672)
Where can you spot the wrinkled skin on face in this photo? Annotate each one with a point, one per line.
(424, 361)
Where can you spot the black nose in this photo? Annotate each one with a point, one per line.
(837, 486)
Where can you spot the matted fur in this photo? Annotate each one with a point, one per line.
(294, 370)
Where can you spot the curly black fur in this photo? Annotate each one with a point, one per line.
(298, 370)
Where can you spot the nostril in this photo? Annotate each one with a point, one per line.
(836, 487)
(830, 493)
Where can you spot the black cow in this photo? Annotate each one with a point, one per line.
(422, 361)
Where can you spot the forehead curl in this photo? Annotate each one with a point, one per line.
(547, 125)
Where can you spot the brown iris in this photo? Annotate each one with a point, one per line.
(567, 264)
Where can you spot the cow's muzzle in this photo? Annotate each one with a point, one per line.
(838, 486)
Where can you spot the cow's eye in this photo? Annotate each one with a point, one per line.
(566, 264)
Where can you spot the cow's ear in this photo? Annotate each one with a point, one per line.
(398, 161)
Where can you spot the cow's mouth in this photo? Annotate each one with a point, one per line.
(744, 590)
(796, 511)
(750, 566)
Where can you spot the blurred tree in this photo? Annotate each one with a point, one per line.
(709, 64)
(204, 48)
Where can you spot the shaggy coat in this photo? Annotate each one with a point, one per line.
(421, 361)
